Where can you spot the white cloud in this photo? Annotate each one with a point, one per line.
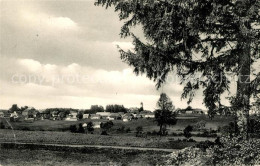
(123, 45)
(43, 20)
(30, 64)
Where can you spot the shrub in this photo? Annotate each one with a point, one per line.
(81, 129)
(128, 130)
(90, 127)
(187, 131)
(139, 131)
(104, 133)
(225, 151)
(73, 128)
(2, 125)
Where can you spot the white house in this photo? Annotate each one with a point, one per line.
(149, 115)
(96, 125)
(103, 114)
(85, 116)
(94, 116)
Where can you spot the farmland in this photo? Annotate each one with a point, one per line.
(147, 124)
(90, 139)
(46, 155)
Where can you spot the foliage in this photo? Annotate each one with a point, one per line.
(226, 152)
(200, 125)
(204, 42)
(80, 115)
(73, 128)
(116, 108)
(164, 115)
(81, 129)
(139, 131)
(90, 127)
(95, 108)
(165, 103)
(187, 131)
(106, 126)
(14, 108)
(2, 125)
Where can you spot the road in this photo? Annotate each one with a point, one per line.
(99, 146)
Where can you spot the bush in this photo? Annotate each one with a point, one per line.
(2, 125)
(139, 130)
(104, 133)
(81, 129)
(187, 130)
(73, 128)
(225, 151)
(128, 130)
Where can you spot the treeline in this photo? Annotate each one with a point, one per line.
(115, 108)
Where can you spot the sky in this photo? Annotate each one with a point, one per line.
(64, 54)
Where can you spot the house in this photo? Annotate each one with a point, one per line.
(94, 116)
(116, 116)
(28, 112)
(96, 125)
(149, 115)
(1, 114)
(44, 115)
(197, 111)
(133, 110)
(72, 116)
(85, 116)
(127, 118)
(54, 115)
(30, 120)
(25, 114)
(84, 125)
(110, 118)
(103, 114)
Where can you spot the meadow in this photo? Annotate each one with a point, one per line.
(29, 156)
(55, 137)
(148, 125)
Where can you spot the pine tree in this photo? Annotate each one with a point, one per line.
(197, 38)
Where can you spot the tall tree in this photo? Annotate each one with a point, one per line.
(199, 39)
(164, 115)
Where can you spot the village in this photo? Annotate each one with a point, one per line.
(119, 112)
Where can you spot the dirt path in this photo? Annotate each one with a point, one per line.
(99, 146)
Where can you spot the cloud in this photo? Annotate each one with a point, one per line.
(33, 79)
(123, 45)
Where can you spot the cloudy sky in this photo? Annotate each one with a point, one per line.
(63, 54)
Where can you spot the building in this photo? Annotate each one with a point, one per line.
(72, 116)
(149, 115)
(127, 118)
(85, 116)
(95, 116)
(103, 114)
(96, 125)
(1, 114)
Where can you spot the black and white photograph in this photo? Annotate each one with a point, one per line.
(129, 82)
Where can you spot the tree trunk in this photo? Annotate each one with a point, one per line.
(160, 129)
(243, 91)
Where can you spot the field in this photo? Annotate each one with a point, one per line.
(54, 137)
(147, 124)
(44, 132)
(77, 156)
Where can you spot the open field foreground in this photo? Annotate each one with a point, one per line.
(51, 155)
(52, 137)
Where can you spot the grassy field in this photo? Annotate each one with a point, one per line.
(7, 135)
(86, 156)
(147, 124)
